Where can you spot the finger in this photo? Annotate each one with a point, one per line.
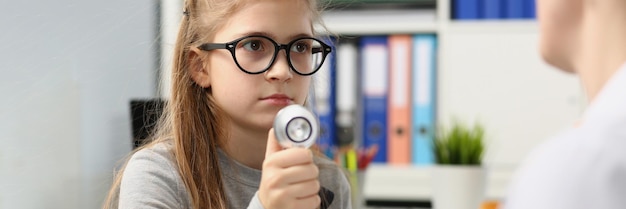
(272, 145)
(304, 189)
(311, 202)
(300, 173)
(292, 157)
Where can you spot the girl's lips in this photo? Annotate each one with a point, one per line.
(278, 99)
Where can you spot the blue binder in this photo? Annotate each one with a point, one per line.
(492, 9)
(514, 9)
(324, 86)
(424, 98)
(374, 64)
(466, 9)
(530, 9)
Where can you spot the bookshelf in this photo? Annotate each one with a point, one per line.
(488, 71)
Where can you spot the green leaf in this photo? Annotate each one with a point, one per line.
(459, 145)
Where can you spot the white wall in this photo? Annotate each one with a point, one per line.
(67, 72)
(492, 72)
(170, 16)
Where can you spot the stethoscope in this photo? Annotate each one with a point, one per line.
(296, 126)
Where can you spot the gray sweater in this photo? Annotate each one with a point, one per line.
(151, 180)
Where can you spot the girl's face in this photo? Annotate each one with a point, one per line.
(252, 100)
(559, 21)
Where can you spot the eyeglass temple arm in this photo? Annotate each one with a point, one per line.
(319, 49)
(212, 46)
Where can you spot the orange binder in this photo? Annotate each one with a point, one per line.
(399, 108)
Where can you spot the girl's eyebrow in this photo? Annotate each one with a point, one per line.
(272, 36)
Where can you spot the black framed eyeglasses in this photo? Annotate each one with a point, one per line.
(256, 54)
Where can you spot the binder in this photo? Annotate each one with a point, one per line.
(424, 98)
(324, 101)
(374, 68)
(346, 92)
(514, 9)
(492, 9)
(530, 9)
(465, 9)
(399, 109)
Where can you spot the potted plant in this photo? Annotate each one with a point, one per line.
(459, 177)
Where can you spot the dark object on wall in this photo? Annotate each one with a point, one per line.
(145, 114)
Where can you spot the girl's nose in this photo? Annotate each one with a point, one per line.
(280, 70)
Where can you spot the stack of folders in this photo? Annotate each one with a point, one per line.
(493, 9)
(376, 100)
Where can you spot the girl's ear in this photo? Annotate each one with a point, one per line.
(197, 68)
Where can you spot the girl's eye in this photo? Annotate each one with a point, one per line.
(253, 45)
(300, 47)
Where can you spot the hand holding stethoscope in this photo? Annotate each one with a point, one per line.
(289, 177)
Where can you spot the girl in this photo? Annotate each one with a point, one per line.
(585, 167)
(237, 63)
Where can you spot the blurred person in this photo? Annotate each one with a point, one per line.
(585, 166)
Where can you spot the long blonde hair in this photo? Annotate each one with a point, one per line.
(191, 119)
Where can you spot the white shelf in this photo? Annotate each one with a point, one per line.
(366, 22)
(404, 183)
(412, 21)
(413, 183)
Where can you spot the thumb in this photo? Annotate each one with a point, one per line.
(272, 144)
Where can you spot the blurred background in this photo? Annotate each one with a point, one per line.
(69, 70)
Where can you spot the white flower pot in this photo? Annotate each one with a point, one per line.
(458, 187)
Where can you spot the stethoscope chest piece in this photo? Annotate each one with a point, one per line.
(295, 126)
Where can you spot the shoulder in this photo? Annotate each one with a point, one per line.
(544, 168)
(154, 161)
(580, 164)
(151, 178)
(157, 154)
